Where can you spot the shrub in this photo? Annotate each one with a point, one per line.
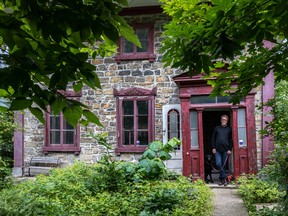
(255, 190)
(69, 191)
(5, 172)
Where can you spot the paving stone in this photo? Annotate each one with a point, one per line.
(226, 201)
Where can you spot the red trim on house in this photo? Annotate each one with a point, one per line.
(19, 142)
(268, 93)
(193, 159)
(134, 94)
(141, 10)
(75, 147)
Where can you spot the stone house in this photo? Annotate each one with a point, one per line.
(141, 101)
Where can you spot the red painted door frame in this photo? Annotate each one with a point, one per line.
(245, 158)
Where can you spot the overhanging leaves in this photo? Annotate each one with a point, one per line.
(49, 42)
(232, 31)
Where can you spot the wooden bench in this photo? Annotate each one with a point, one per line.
(42, 165)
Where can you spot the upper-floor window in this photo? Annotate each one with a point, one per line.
(135, 119)
(60, 136)
(129, 51)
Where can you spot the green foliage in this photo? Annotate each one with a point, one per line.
(204, 36)
(151, 164)
(7, 128)
(255, 190)
(278, 128)
(5, 173)
(45, 48)
(69, 191)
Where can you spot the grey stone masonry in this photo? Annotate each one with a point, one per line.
(138, 73)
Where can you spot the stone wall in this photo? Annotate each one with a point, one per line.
(102, 102)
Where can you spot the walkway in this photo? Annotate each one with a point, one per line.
(226, 201)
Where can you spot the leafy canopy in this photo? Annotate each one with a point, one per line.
(45, 46)
(208, 35)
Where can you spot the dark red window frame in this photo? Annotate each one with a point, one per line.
(134, 94)
(138, 55)
(75, 147)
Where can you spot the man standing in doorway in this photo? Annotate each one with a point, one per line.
(222, 147)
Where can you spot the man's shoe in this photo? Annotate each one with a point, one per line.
(225, 182)
(221, 182)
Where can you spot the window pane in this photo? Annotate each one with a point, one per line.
(54, 137)
(144, 45)
(242, 137)
(128, 138)
(66, 125)
(128, 123)
(142, 107)
(202, 99)
(194, 129)
(242, 128)
(128, 107)
(142, 122)
(127, 46)
(194, 138)
(68, 137)
(173, 124)
(55, 122)
(142, 138)
(142, 33)
(223, 99)
(241, 117)
(194, 120)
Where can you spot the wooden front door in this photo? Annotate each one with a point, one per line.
(197, 133)
(195, 102)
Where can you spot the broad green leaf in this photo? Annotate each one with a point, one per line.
(77, 86)
(20, 104)
(128, 33)
(155, 146)
(163, 155)
(174, 142)
(72, 114)
(92, 117)
(149, 154)
(37, 113)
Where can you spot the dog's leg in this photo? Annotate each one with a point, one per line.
(210, 174)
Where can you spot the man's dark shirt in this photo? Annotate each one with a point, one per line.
(222, 138)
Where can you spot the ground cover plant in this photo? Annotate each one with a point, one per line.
(84, 190)
(110, 187)
(255, 190)
(7, 127)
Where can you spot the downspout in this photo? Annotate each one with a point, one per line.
(267, 93)
(18, 168)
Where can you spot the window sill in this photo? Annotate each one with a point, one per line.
(130, 149)
(125, 57)
(68, 149)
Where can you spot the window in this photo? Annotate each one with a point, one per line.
(171, 122)
(135, 119)
(201, 99)
(60, 136)
(194, 129)
(129, 51)
(242, 128)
